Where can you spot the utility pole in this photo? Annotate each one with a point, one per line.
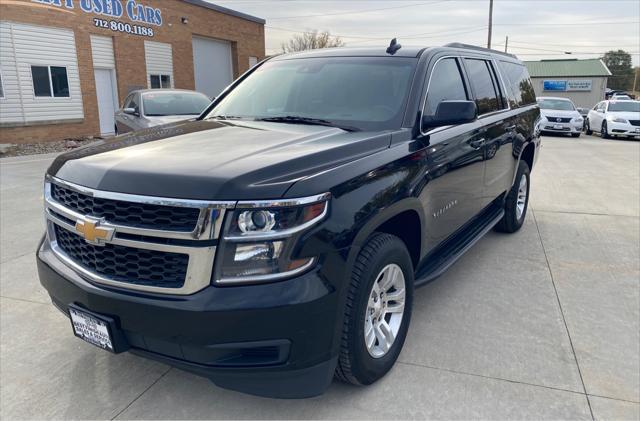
(490, 22)
(506, 43)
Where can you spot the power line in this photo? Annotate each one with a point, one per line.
(358, 11)
(574, 45)
(373, 38)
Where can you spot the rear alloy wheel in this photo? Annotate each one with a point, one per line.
(517, 202)
(377, 310)
(604, 131)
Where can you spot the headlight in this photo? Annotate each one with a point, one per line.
(260, 240)
(578, 119)
(618, 120)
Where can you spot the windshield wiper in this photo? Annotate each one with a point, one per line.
(307, 120)
(225, 117)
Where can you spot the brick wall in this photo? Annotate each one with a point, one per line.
(246, 37)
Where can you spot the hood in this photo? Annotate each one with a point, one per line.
(158, 120)
(214, 160)
(627, 115)
(560, 113)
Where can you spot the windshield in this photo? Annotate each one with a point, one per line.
(174, 103)
(629, 106)
(367, 93)
(556, 104)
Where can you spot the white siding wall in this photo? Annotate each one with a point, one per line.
(102, 52)
(24, 45)
(159, 59)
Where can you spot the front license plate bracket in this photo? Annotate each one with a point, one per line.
(97, 329)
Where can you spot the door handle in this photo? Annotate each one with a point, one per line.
(477, 144)
(512, 127)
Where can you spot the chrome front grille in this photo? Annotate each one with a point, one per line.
(98, 234)
(141, 215)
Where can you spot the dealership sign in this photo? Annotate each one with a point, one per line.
(110, 11)
(566, 85)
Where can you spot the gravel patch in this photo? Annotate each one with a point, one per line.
(45, 147)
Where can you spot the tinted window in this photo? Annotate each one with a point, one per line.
(446, 84)
(368, 93)
(174, 103)
(482, 83)
(59, 81)
(40, 76)
(519, 83)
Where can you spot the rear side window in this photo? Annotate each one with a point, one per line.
(519, 83)
(479, 73)
(446, 85)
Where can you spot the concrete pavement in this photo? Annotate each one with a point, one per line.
(543, 324)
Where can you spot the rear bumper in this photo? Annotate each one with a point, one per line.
(275, 340)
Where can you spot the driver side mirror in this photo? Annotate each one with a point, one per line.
(132, 111)
(450, 113)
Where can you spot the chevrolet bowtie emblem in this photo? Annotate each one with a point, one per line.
(92, 232)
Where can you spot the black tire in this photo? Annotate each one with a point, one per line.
(588, 128)
(355, 364)
(575, 134)
(604, 133)
(510, 222)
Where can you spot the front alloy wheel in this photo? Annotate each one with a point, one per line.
(377, 310)
(383, 317)
(523, 191)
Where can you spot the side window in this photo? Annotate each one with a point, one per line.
(446, 84)
(519, 83)
(133, 103)
(127, 100)
(483, 87)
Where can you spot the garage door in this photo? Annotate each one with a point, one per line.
(212, 65)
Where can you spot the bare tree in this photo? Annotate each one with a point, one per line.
(310, 41)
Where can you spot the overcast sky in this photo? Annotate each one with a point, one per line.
(537, 29)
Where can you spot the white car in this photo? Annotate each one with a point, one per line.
(620, 97)
(559, 115)
(615, 118)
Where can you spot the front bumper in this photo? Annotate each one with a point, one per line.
(275, 340)
(623, 129)
(552, 127)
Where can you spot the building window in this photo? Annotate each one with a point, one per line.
(160, 81)
(253, 61)
(50, 81)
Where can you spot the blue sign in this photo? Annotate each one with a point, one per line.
(554, 85)
(134, 9)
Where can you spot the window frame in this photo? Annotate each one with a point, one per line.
(425, 91)
(52, 94)
(496, 89)
(159, 76)
(465, 84)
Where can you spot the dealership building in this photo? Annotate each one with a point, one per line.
(66, 65)
(582, 81)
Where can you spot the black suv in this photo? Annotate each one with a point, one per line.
(276, 240)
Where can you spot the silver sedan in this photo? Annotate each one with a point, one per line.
(153, 107)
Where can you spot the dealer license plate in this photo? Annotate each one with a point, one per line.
(558, 126)
(91, 329)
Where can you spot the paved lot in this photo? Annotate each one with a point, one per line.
(543, 324)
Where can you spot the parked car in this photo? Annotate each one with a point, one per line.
(152, 107)
(559, 115)
(277, 240)
(620, 97)
(615, 118)
(583, 113)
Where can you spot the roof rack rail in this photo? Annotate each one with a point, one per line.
(475, 47)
